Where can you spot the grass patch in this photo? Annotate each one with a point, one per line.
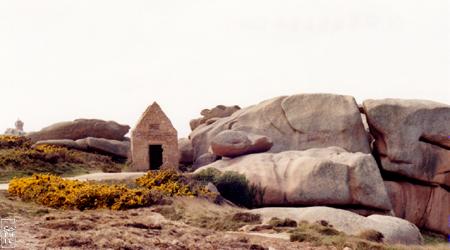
(322, 233)
(371, 235)
(277, 222)
(431, 238)
(202, 213)
(12, 206)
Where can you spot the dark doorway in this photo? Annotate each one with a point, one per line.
(155, 154)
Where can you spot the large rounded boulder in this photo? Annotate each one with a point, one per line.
(325, 176)
(296, 122)
(111, 147)
(81, 128)
(186, 151)
(231, 143)
(412, 138)
(394, 230)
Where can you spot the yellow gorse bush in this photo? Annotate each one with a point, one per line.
(167, 181)
(51, 149)
(56, 192)
(8, 141)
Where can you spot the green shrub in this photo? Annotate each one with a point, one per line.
(208, 175)
(247, 217)
(303, 236)
(233, 186)
(277, 222)
(371, 235)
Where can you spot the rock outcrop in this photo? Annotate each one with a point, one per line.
(296, 122)
(425, 206)
(231, 143)
(326, 176)
(98, 145)
(412, 138)
(205, 159)
(394, 230)
(64, 143)
(211, 115)
(186, 151)
(111, 147)
(81, 128)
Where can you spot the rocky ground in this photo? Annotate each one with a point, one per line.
(186, 223)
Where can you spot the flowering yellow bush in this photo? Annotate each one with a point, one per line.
(172, 183)
(56, 192)
(10, 141)
(167, 181)
(51, 149)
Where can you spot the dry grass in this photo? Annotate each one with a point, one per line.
(133, 229)
(11, 206)
(204, 214)
(189, 223)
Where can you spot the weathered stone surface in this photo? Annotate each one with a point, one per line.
(231, 143)
(259, 143)
(79, 129)
(425, 206)
(296, 122)
(154, 128)
(325, 176)
(186, 151)
(205, 159)
(212, 188)
(111, 147)
(211, 116)
(395, 230)
(64, 142)
(194, 123)
(412, 137)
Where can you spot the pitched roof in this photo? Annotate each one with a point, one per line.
(154, 115)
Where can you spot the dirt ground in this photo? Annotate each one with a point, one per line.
(186, 223)
(134, 229)
(38, 227)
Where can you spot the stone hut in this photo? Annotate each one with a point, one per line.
(154, 141)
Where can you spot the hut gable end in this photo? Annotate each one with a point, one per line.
(154, 141)
(154, 119)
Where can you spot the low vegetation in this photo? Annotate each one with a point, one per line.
(152, 188)
(172, 183)
(203, 214)
(19, 158)
(56, 192)
(323, 234)
(233, 186)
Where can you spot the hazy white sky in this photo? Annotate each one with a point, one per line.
(62, 60)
